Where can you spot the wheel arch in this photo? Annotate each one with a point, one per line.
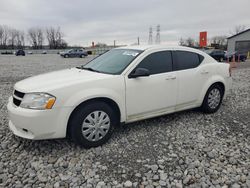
(218, 80)
(106, 100)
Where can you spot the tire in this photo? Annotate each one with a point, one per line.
(221, 59)
(210, 104)
(82, 123)
(66, 56)
(81, 56)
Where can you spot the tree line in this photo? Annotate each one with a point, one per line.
(219, 41)
(37, 38)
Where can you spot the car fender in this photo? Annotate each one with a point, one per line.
(210, 81)
(84, 95)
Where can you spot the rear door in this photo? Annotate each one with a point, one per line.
(191, 76)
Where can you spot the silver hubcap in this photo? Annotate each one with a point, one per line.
(214, 98)
(95, 126)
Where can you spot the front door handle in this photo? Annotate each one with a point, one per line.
(171, 77)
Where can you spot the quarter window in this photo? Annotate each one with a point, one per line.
(186, 60)
(158, 62)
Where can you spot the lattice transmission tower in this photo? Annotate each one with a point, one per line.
(158, 37)
(150, 37)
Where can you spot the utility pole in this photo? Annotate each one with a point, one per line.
(138, 40)
(114, 43)
(150, 37)
(158, 38)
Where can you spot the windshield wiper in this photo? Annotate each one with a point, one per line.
(87, 68)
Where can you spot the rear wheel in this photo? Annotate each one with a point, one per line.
(92, 124)
(66, 56)
(213, 99)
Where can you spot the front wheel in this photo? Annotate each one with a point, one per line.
(213, 99)
(92, 124)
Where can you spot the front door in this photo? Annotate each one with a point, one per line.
(155, 94)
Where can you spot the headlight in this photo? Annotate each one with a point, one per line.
(39, 101)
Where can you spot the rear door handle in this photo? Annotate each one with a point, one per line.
(172, 77)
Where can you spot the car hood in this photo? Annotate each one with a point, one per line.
(57, 79)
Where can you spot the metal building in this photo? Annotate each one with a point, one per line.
(239, 42)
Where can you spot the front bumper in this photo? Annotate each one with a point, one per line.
(37, 124)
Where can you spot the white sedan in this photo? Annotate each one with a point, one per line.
(123, 85)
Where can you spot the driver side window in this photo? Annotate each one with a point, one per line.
(157, 62)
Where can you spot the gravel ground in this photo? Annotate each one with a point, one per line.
(186, 149)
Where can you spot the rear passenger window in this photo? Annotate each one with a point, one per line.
(186, 60)
(158, 62)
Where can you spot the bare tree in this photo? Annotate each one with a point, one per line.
(1, 36)
(221, 40)
(182, 42)
(4, 36)
(55, 38)
(23, 39)
(36, 37)
(238, 29)
(32, 35)
(189, 42)
(40, 38)
(20, 40)
(13, 38)
(100, 44)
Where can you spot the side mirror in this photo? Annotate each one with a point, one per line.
(139, 72)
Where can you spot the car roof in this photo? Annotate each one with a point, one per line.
(159, 47)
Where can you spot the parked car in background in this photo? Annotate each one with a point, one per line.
(218, 55)
(44, 52)
(20, 53)
(124, 85)
(74, 53)
(8, 53)
(30, 52)
(238, 56)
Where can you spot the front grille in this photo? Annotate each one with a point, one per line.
(17, 97)
(18, 94)
(16, 101)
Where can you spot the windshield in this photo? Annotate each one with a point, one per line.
(113, 61)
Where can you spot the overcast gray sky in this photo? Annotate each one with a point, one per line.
(83, 21)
